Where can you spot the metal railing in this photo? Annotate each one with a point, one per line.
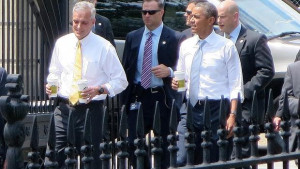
(110, 149)
(296, 2)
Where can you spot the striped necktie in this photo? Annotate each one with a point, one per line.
(147, 63)
(74, 96)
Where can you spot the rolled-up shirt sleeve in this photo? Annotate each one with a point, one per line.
(117, 81)
(234, 73)
(55, 68)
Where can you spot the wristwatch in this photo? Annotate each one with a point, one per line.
(101, 90)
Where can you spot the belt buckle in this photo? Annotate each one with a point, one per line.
(153, 90)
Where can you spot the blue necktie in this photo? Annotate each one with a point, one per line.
(195, 74)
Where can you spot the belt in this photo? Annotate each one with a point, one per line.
(67, 101)
(139, 90)
(202, 102)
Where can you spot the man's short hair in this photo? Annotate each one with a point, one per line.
(210, 9)
(196, 1)
(161, 3)
(83, 5)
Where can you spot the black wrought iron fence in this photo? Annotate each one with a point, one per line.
(296, 2)
(40, 130)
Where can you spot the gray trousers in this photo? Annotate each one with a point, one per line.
(61, 116)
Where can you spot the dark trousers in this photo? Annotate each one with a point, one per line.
(148, 99)
(198, 112)
(181, 129)
(61, 116)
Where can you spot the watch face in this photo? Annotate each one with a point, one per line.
(101, 90)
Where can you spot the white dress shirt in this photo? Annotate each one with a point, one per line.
(220, 68)
(100, 64)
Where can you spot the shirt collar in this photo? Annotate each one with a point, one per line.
(235, 33)
(85, 40)
(210, 39)
(156, 31)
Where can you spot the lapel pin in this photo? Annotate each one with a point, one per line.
(164, 42)
(99, 24)
(242, 40)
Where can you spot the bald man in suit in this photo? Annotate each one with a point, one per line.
(256, 60)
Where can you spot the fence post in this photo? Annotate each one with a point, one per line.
(237, 130)
(122, 144)
(172, 138)
(87, 148)
(270, 135)
(285, 125)
(14, 108)
(206, 133)
(156, 140)
(51, 162)
(139, 142)
(105, 146)
(34, 144)
(254, 129)
(190, 136)
(70, 151)
(222, 142)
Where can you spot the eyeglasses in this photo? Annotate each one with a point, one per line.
(150, 12)
(188, 12)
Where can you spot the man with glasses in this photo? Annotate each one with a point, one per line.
(149, 58)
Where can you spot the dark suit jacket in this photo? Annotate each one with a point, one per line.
(258, 69)
(167, 54)
(187, 33)
(2, 81)
(292, 86)
(103, 29)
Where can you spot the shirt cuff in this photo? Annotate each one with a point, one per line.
(111, 93)
(171, 72)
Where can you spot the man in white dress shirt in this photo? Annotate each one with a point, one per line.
(212, 68)
(100, 67)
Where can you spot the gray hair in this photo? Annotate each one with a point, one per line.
(210, 9)
(83, 5)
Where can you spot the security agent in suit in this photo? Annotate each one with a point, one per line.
(102, 26)
(256, 60)
(164, 58)
(291, 86)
